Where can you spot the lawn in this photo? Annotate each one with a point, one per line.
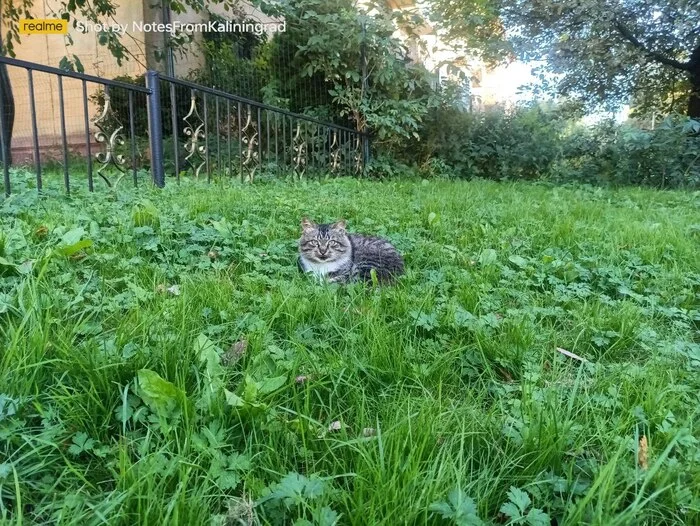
(163, 362)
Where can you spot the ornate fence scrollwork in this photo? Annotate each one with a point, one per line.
(247, 136)
(316, 143)
(194, 130)
(249, 145)
(109, 133)
(299, 148)
(357, 155)
(334, 152)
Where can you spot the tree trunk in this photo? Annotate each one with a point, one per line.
(694, 99)
(7, 106)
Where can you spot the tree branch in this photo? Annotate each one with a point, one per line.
(655, 55)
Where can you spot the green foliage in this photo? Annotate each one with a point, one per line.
(666, 157)
(295, 496)
(472, 27)
(518, 510)
(540, 142)
(184, 369)
(459, 508)
(522, 144)
(214, 373)
(72, 242)
(81, 444)
(120, 110)
(384, 166)
(604, 53)
(145, 213)
(388, 95)
(237, 63)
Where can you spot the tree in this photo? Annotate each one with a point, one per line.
(386, 93)
(473, 28)
(603, 52)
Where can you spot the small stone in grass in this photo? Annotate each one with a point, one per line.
(174, 290)
(235, 352)
(369, 432)
(302, 378)
(335, 426)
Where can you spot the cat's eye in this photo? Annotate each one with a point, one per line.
(313, 243)
(334, 244)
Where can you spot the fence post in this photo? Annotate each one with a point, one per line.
(7, 116)
(155, 128)
(4, 156)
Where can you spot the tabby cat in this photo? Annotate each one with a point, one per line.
(330, 252)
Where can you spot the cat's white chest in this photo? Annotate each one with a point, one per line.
(321, 270)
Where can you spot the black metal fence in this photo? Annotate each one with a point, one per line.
(190, 131)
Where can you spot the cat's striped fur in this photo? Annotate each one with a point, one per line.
(330, 252)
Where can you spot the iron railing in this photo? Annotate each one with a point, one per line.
(190, 130)
(228, 134)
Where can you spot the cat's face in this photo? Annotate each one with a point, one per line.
(323, 243)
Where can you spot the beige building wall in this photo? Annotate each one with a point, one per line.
(97, 60)
(49, 50)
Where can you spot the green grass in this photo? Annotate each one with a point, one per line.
(214, 402)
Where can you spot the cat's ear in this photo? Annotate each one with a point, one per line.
(307, 224)
(340, 225)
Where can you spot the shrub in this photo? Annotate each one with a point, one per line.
(496, 144)
(383, 166)
(235, 62)
(668, 156)
(535, 142)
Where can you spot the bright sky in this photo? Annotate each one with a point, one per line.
(506, 81)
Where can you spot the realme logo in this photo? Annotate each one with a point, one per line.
(38, 26)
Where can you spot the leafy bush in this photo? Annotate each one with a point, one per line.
(235, 62)
(318, 62)
(496, 144)
(668, 156)
(535, 142)
(384, 166)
